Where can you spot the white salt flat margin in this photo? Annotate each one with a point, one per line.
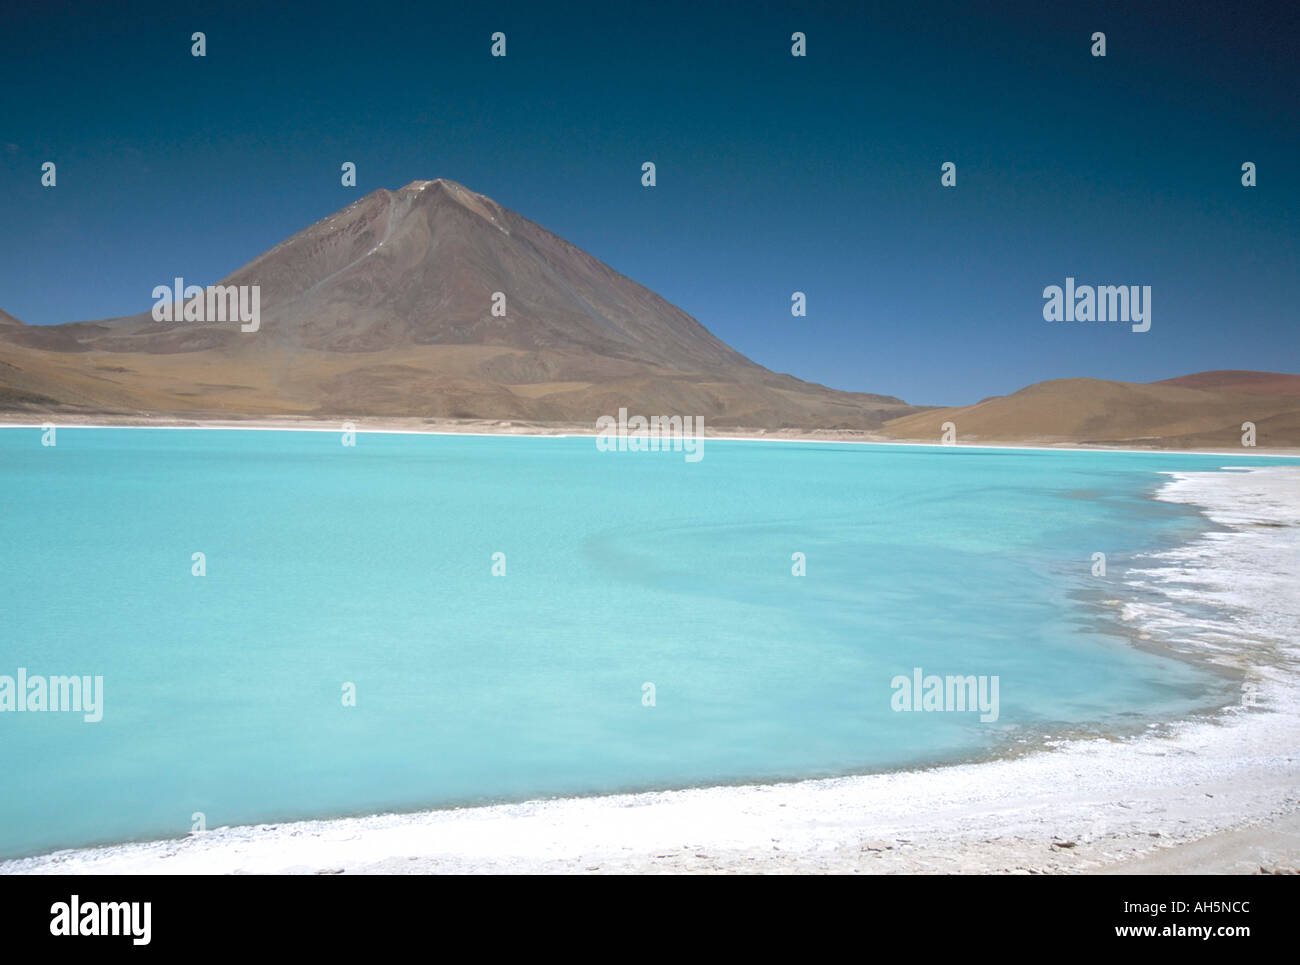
(336, 428)
(1181, 782)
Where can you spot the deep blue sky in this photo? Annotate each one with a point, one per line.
(819, 174)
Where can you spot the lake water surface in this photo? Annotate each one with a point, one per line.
(373, 566)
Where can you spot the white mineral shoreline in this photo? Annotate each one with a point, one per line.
(1218, 794)
(397, 426)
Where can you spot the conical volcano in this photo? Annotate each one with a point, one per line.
(387, 308)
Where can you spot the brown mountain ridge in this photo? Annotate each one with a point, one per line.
(1205, 410)
(384, 310)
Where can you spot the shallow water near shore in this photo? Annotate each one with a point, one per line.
(373, 566)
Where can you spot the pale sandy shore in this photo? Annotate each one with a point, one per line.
(397, 424)
(1218, 794)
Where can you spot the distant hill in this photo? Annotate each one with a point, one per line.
(1240, 380)
(1202, 410)
(384, 308)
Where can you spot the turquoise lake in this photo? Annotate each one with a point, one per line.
(373, 566)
